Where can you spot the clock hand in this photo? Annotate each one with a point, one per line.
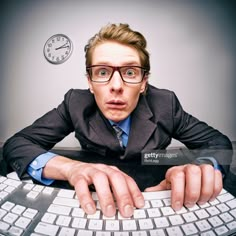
(63, 46)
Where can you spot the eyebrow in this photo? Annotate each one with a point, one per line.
(131, 63)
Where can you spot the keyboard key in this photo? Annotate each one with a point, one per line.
(153, 212)
(174, 231)
(176, 220)
(32, 194)
(49, 229)
(85, 233)
(208, 233)
(139, 213)
(221, 230)
(10, 218)
(2, 213)
(61, 210)
(30, 213)
(79, 223)
(63, 220)
(215, 221)
(189, 229)
(226, 217)
(95, 224)
(23, 222)
(203, 225)
(96, 215)
(225, 197)
(48, 218)
(15, 231)
(66, 202)
(145, 224)
(232, 225)
(4, 226)
(201, 214)
(8, 206)
(102, 233)
(66, 232)
(157, 232)
(111, 225)
(139, 233)
(18, 209)
(66, 193)
(129, 225)
(121, 234)
(161, 222)
(166, 211)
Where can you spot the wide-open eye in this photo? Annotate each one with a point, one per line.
(102, 72)
(130, 72)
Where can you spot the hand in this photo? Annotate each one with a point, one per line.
(191, 184)
(108, 181)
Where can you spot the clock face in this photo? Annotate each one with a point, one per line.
(58, 49)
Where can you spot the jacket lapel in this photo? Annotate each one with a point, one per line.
(141, 128)
(102, 132)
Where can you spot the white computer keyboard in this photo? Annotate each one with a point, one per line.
(27, 209)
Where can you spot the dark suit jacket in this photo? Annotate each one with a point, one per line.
(157, 119)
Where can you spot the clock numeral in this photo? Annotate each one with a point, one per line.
(48, 50)
(53, 41)
(67, 52)
(58, 59)
(62, 57)
(58, 38)
(49, 54)
(49, 45)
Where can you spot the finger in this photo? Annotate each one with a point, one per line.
(176, 178)
(193, 184)
(135, 192)
(161, 186)
(218, 184)
(84, 196)
(121, 193)
(207, 183)
(104, 193)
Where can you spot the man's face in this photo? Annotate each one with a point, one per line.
(116, 99)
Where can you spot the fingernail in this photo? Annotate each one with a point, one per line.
(189, 204)
(140, 203)
(110, 210)
(128, 210)
(177, 205)
(90, 209)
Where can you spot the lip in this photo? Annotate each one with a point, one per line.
(116, 103)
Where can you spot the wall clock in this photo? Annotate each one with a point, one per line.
(58, 48)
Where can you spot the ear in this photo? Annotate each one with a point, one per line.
(144, 84)
(90, 84)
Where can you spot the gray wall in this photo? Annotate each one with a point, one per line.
(192, 46)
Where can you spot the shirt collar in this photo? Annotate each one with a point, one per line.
(124, 124)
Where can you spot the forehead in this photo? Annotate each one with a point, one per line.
(115, 54)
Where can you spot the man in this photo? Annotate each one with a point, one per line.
(117, 65)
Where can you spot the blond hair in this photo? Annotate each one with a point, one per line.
(120, 33)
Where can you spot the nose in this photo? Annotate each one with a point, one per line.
(116, 82)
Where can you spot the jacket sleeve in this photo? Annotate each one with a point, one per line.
(38, 138)
(202, 139)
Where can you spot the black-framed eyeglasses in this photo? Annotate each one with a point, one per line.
(104, 73)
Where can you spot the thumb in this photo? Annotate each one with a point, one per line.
(161, 186)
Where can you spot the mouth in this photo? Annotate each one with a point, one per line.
(116, 104)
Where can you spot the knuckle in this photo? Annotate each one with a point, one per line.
(194, 169)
